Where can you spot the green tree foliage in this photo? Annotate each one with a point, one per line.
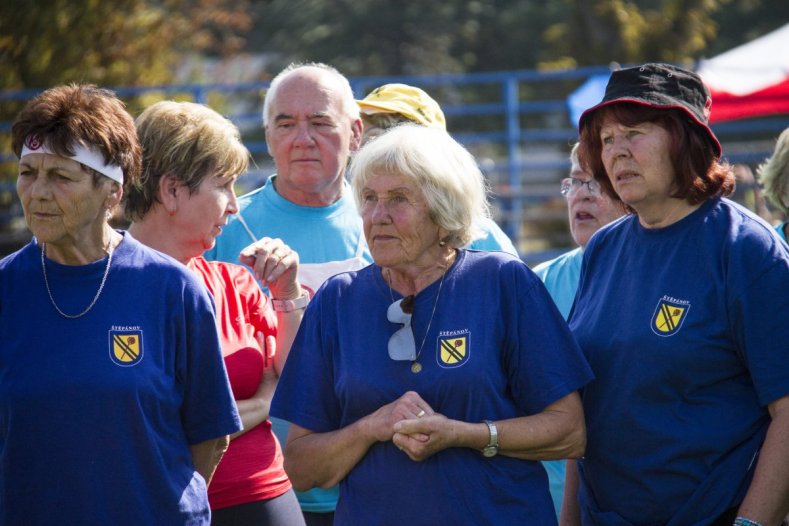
(124, 42)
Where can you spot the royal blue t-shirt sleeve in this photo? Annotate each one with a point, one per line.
(542, 359)
(305, 392)
(209, 410)
(758, 316)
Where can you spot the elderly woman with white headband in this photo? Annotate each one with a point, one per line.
(438, 376)
(114, 401)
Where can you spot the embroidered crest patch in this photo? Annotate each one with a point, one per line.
(453, 350)
(126, 347)
(669, 316)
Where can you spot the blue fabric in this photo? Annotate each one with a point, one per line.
(519, 357)
(780, 230)
(319, 235)
(560, 276)
(685, 329)
(87, 437)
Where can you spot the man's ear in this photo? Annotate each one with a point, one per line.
(357, 128)
(268, 143)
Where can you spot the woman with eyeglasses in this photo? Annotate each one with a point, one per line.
(430, 383)
(682, 312)
(589, 209)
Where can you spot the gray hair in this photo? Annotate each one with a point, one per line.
(347, 100)
(445, 172)
(774, 174)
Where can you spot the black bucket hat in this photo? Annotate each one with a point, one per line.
(660, 86)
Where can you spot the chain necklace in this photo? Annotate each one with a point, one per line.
(95, 298)
(416, 367)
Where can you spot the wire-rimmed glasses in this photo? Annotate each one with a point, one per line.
(571, 186)
(401, 344)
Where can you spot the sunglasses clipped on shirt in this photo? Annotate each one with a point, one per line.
(401, 344)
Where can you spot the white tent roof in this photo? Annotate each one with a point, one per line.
(750, 67)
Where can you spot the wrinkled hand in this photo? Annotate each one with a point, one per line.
(276, 265)
(382, 422)
(420, 438)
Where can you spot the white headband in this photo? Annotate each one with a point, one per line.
(87, 156)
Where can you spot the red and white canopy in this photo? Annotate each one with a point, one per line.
(751, 80)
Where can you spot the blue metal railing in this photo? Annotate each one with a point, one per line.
(516, 118)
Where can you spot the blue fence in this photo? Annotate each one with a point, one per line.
(519, 128)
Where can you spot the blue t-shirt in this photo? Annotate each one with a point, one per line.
(328, 240)
(97, 413)
(511, 355)
(685, 329)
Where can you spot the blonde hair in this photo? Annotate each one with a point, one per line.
(774, 174)
(445, 172)
(187, 140)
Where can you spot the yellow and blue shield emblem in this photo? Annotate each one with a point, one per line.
(453, 351)
(668, 317)
(126, 347)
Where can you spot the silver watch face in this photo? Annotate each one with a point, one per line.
(490, 451)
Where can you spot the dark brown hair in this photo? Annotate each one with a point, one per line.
(699, 174)
(65, 116)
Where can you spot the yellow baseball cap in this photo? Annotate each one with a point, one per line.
(408, 101)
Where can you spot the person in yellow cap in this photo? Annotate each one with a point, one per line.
(392, 104)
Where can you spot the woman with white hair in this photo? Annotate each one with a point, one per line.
(774, 177)
(438, 376)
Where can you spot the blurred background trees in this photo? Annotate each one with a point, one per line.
(143, 42)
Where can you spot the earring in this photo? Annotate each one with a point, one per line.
(442, 243)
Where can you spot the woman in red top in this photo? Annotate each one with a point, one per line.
(191, 159)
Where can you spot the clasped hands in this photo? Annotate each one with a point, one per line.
(412, 425)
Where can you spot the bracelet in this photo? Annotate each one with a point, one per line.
(291, 305)
(745, 521)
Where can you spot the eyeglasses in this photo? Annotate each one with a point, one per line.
(402, 345)
(571, 185)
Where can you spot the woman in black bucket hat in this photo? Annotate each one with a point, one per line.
(681, 311)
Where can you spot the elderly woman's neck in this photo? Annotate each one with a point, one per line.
(413, 279)
(152, 234)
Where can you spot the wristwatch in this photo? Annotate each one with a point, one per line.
(493, 444)
(291, 305)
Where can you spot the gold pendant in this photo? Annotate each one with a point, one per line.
(416, 367)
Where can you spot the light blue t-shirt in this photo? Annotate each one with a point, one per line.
(560, 276)
(780, 230)
(494, 239)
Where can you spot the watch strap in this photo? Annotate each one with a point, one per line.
(291, 305)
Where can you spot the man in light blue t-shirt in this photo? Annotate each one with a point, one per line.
(312, 125)
(589, 209)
